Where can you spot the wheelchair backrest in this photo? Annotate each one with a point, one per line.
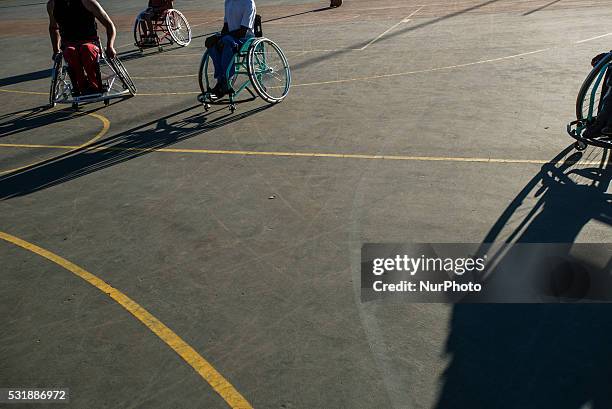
(257, 28)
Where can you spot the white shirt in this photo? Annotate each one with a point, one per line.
(240, 13)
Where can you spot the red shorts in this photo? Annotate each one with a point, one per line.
(82, 58)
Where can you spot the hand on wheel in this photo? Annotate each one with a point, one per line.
(110, 52)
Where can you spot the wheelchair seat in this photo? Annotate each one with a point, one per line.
(257, 27)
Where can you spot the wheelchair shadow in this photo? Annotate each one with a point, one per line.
(31, 76)
(122, 147)
(39, 117)
(538, 355)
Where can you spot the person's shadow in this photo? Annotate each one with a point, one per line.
(538, 355)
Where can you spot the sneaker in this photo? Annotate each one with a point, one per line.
(607, 131)
(218, 91)
(149, 41)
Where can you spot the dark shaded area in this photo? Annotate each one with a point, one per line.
(122, 147)
(563, 207)
(529, 356)
(388, 36)
(541, 8)
(29, 119)
(31, 76)
(538, 355)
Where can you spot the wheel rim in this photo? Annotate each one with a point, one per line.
(138, 34)
(60, 86)
(178, 27)
(589, 97)
(124, 78)
(269, 70)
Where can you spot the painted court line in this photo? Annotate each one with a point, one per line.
(299, 154)
(405, 20)
(593, 38)
(233, 398)
(376, 77)
(105, 127)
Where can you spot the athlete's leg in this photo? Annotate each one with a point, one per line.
(75, 68)
(89, 57)
(230, 46)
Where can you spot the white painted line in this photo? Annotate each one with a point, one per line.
(405, 20)
(399, 74)
(593, 38)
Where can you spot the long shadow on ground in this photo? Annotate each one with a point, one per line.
(125, 146)
(538, 355)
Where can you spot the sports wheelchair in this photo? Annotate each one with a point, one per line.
(259, 67)
(589, 103)
(112, 75)
(169, 27)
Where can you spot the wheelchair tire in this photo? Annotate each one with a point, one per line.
(137, 33)
(120, 70)
(178, 27)
(202, 75)
(57, 80)
(589, 99)
(268, 70)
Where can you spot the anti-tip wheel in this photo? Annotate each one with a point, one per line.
(580, 146)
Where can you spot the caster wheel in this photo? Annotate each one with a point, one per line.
(580, 146)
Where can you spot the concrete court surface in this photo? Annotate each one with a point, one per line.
(253, 259)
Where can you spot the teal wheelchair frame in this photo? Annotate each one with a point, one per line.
(589, 103)
(257, 63)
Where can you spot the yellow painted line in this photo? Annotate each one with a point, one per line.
(165, 78)
(164, 94)
(303, 154)
(103, 131)
(233, 398)
(15, 91)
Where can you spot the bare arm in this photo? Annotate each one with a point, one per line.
(54, 33)
(99, 13)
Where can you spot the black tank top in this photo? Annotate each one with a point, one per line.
(76, 23)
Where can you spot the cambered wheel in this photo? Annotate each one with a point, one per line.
(118, 67)
(178, 27)
(268, 70)
(60, 85)
(138, 34)
(589, 97)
